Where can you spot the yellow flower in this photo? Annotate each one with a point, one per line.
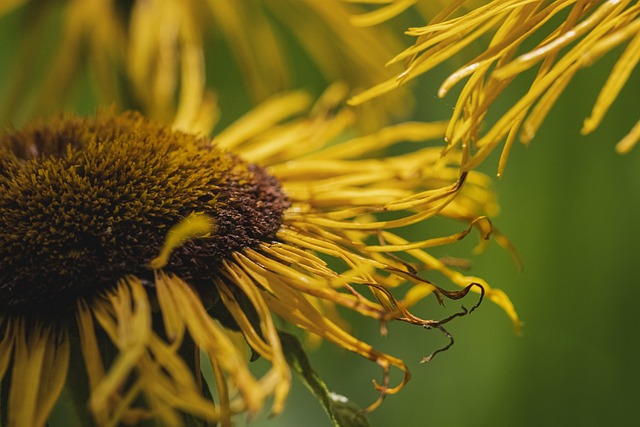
(150, 55)
(566, 36)
(131, 246)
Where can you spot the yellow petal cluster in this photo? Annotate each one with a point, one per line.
(552, 39)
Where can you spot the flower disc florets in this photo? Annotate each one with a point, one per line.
(85, 202)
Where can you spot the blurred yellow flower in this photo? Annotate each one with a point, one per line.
(129, 246)
(160, 56)
(566, 35)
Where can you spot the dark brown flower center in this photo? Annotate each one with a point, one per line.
(84, 202)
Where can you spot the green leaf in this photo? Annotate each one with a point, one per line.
(342, 412)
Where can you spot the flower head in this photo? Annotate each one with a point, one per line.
(77, 214)
(134, 246)
(555, 38)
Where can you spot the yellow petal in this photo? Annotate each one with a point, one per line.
(40, 365)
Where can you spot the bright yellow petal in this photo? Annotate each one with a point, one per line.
(212, 339)
(127, 321)
(40, 365)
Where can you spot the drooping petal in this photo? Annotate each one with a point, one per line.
(40, 364)
(307, 317)
(265, 340)
(125, 317)
(209, 336)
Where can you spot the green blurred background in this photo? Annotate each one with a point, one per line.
(571, 206)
